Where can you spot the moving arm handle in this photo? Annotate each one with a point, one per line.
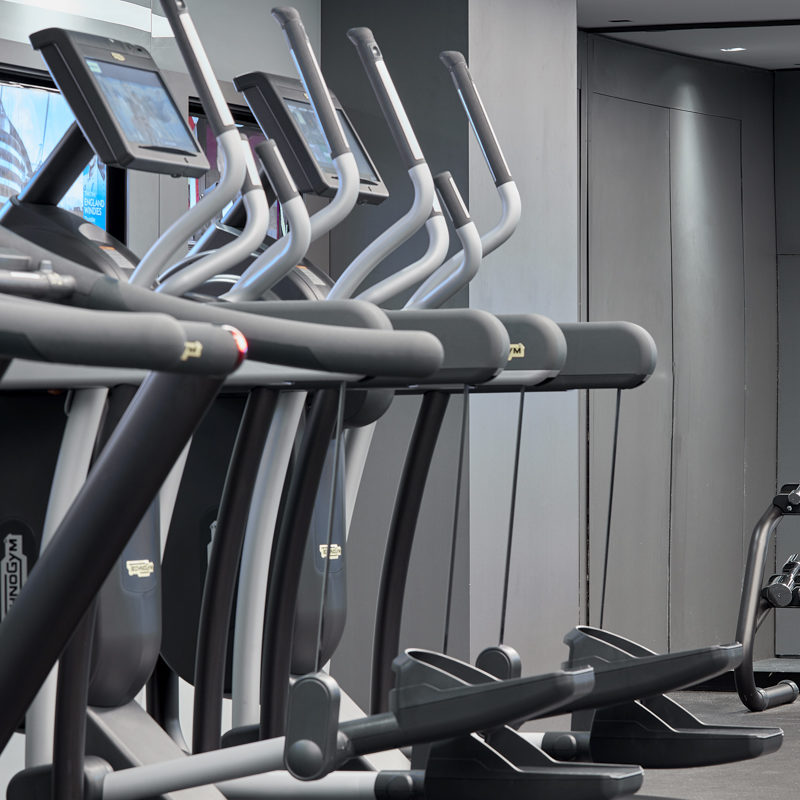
(198, 65)
(282, 255)
(212, 263)
(277, 172)
(311, 75)
(343, 159)
(438, 241)
(459, 71)
(418, 171)
(221, 120)
(388, 99)
(437, 289)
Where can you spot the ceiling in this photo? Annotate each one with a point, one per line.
(769, 30)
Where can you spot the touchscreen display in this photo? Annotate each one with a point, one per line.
(312, 132)
(142, 106)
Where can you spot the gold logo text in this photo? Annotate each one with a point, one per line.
(336, 551)
(117, 56)
(192, 350)
(517, 350)
(141, 568)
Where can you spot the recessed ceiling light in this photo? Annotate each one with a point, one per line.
(732, 49)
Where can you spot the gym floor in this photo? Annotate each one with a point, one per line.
(770, 775)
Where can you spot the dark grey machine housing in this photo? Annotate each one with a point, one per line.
(268, 97)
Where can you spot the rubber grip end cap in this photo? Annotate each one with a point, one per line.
(285, 14)
(452, 58)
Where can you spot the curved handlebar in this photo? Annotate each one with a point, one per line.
(388, 99)
(311, 75)
(439, 289)
(277, 172)
(213, 263)
(459, 71)
(451, 198)
(198, 65)
(438, 242)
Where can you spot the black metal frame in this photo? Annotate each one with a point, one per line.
(386, 641)
(93, 533)
(223, 568)
(286, 561)
(754, 609)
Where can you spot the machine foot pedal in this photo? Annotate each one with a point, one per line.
(506, 765)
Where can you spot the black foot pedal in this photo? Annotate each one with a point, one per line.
(508, 766)
(657, 731)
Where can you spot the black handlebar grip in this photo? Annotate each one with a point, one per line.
(457, 65)
(388, 99)
(66, 335)
(281, 341)
(311, 75)
(211, 349)
(451, 199)
(276, 170)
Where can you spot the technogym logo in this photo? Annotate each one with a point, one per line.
(517, 350)
(13, 572)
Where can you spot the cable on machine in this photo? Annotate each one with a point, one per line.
(459, 473)
(610, 506)
(511, 515)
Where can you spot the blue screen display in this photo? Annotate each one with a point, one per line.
(142, 106)
(32, 120)
(308, 123)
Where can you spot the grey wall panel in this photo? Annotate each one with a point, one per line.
(709, 338)
(523, 56)
(787, 172)
(787, 629)
(543, 580)
(726, 332)
(673, 81)
(787, 198)
(630, 278)
(760, 313)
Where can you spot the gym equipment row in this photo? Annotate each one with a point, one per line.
(320, 371)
